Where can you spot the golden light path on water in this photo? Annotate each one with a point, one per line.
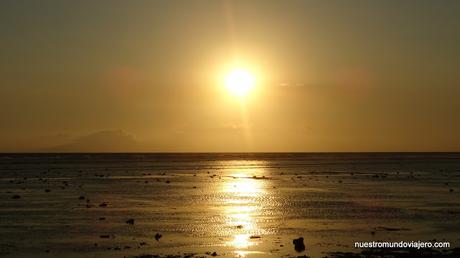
(243, 190)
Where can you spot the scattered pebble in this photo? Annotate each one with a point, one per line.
(299, 246)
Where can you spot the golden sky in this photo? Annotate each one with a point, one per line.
(150, 76)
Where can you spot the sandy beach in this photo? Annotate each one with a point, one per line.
(229, 205)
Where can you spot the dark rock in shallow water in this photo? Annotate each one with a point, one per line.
(158, 236)
(103, 204)
(81, 198)
(16, 196)
(299, 246)
(130, 221)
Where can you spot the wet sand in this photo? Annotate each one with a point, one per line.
(226, 205)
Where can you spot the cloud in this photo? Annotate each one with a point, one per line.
(102, 141)
(292, 84)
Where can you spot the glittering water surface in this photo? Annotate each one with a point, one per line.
(237, 205)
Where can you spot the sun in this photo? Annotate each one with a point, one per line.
(239, 82)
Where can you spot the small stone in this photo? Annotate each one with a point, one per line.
(130, 221)
(299, 246)
(158, 236)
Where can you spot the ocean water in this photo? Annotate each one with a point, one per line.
(237, 205)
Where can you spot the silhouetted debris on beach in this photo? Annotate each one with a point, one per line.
(16, 196)
(158, 236)
(299, 246)
(103, 205)
(390, 229)
(130, 221)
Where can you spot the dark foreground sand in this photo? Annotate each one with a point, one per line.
(227, 205)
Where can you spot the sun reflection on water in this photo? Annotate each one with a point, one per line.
(243, 191)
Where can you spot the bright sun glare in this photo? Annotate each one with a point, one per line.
(239, 82)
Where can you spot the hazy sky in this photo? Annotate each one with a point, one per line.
(148, 75)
